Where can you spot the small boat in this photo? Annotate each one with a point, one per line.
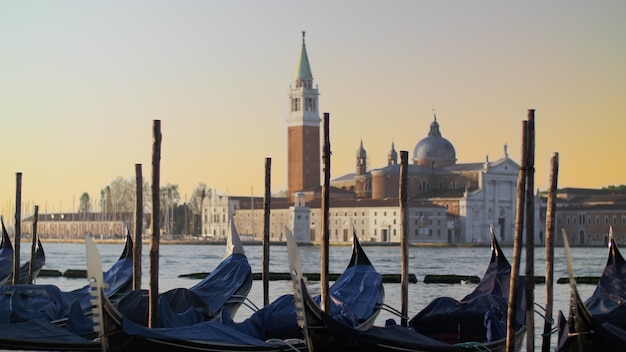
(599, 323)
(7, 257)
(44, 318)
(448, 320)
(118, 333)
(323, 333)
(225, 288)
(121, 334)
(357, 297)
(118, 279)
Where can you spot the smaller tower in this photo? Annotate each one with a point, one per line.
(361, 160)
(392, 157)
(301, 219)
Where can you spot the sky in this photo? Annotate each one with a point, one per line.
(82, 82)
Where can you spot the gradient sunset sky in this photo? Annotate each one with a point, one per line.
(82, 81)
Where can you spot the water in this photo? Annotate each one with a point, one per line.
(184, 259)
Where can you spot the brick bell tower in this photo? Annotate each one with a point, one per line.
(303, 131)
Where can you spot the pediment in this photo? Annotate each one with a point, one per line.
(504, 166)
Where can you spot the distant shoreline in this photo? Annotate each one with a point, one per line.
(277, 243)
(259, 243)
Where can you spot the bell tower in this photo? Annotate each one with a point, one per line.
(303, 130)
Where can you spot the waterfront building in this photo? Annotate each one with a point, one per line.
(372, 220)
(586, 216)
(74, 226)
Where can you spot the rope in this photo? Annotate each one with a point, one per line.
(248, 303)
(550, 321)
(392, 310)
(291, 343)
(476, 345)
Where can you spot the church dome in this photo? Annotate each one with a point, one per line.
(434, 150)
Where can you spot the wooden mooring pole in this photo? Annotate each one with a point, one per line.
(530, 232)
(137, 243)
(324, 251)
(404, 223)
(550, 230)
(517, 244)
(18, 226)
(267, 205)
(153, 292)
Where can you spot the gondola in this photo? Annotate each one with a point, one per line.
(225, 288)
(42, 317)
(456, 322)
(118, 333)
(357, 297)
(118, 279)
(599, 323)
(122, 334)
(7, 257)
(323, 333)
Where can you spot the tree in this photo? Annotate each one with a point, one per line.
(615, 188)
(170, 197)
(119, 196)
(84, 205)
(200, 194)
(122, 195)
(179, 225)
